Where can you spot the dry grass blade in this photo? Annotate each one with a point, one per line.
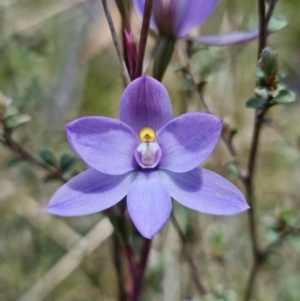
(66, 265)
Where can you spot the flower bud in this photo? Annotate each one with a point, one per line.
(163, 55)
(269, 62)
(165, 13)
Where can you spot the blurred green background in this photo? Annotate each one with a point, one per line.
(57, 63)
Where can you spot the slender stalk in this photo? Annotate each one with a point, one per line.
(119, 268)
(139, 279)
(144, 37)
(258, 257)
(195, 275)
(8, 141)
(270, 10)
(251, 281)
(291, 231)
(116, 43)
(262, 39)
(208, 108)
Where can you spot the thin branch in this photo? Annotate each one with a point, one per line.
(291, 231)
(250, 285)
(144, 37)
(270, 10)
(116, 43)
(195, 275)
(258, 255)
(208, 107)
(8, 141)
(262, 39)
(119, 268)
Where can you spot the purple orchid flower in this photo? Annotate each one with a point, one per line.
(176, 18)
(149, 157)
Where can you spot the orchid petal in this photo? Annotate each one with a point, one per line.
(149, 203)
(226, 39)
(194, 13)
(146, 103)
(205, 191)
(90, 192)
(188, 140)
(105, 144)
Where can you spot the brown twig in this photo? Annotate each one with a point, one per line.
(258, 256)
(8, 141)
(290, 231)
(208, 107)
(195, 275)
(262, 39)
(116, 43)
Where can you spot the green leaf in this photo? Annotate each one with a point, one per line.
(48, 179)
(198, 48)
(260, 73)
(14, 162)
(295, 241)
(180, 69)
(261, 93)
(4, 100)
(202, 84)
(255, 103)
(16, 121)
(66, 162)
(10, 111)
(232, 170)
(283, 97)
(267, 120)
(277, 23)
(48, 158)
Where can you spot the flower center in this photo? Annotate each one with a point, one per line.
(148, 153)
(147, 134)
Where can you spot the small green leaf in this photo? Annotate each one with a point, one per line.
(4, 100)
(199, 48)
(47, 157)
(262, 93)
(48, 179)
(260, 73)
(295, 241)
(14, 162)
(283, 97)
(267, 120)
(202, 84)
(10, 111)
(277, 23)
(180, 69)
(255, 103)
(66, 162)
(16, 121)
(232, 170)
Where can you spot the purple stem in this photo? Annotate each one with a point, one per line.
(139, 279)
(144, 37)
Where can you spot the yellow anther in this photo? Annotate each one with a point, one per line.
(147, 134)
